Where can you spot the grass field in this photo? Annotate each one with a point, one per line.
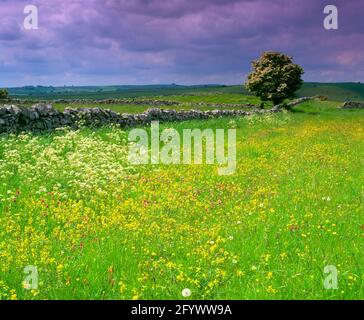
(97, 228)
(183, 102)
(334, 91)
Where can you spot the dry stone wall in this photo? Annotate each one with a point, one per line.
(353, 105)
(44, 118)
(132, 101)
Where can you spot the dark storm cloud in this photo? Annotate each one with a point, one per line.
(158, 41)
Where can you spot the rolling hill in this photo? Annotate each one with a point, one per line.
(334, 91)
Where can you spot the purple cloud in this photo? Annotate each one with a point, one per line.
(183, 41)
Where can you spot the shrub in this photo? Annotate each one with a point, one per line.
(322, 98)
(275, 77)
(4, 95)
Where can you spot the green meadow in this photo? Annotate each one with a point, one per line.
(333, 91)
(96, 227)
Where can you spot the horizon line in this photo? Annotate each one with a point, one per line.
(161, 84)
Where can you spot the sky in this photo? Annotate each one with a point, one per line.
(109, 42)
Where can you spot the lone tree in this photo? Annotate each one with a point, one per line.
(275, 77)
(4, 95)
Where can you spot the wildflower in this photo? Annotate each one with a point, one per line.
(60, 268)
(266, 257)
(272, 290)
(239, 273)
(283, 255)
(180, 277)
(186, 293)
(26, 285)
(122, 287)
(13, 295)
